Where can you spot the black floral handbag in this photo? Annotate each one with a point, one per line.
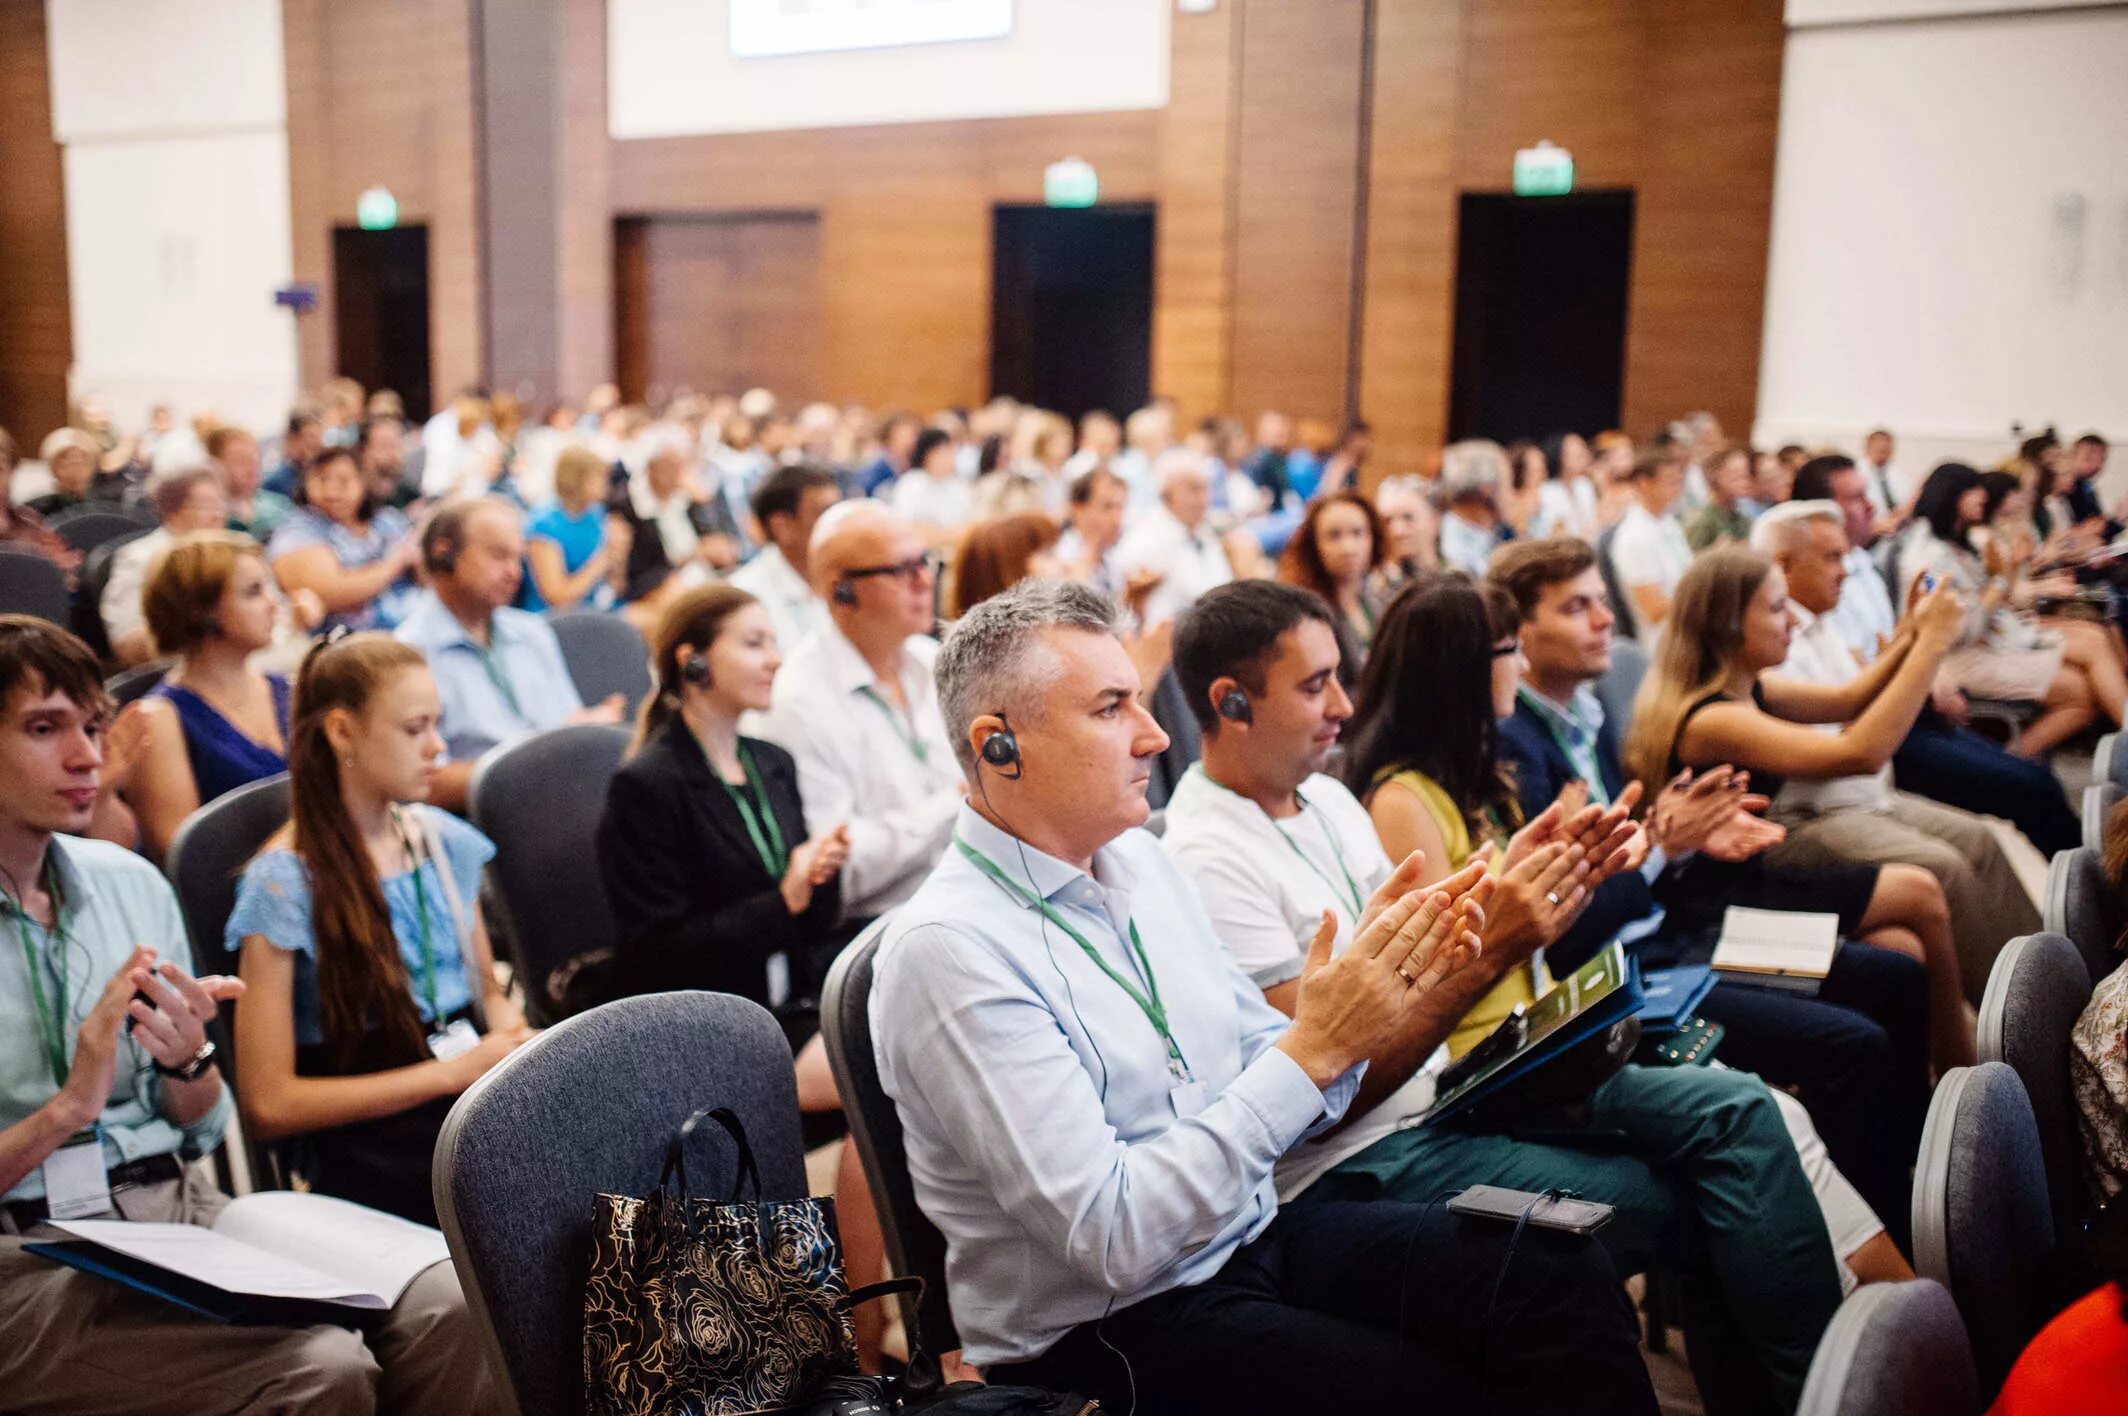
(701, 1307)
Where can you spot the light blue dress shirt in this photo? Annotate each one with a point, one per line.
(1043, 1134)
(522, 652)
(1865, 608)
(111, 900)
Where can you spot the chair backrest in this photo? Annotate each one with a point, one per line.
(2102, 755)
(1171, 710)
(32, 585)
(515, 1199)
(914, 1246)
(209, 852)
(86, 529)
(2099, 800)
(1982, 1224)
(539, 800)
(1620, 685)
(1893, 1349)
(133, 684)
(2080, 906)
(2036, 991)
(1621, 603)
(605, 655)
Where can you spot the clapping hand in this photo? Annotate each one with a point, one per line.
(1715, 813)
(174, 1027)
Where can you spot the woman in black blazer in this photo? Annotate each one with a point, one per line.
(712, 878)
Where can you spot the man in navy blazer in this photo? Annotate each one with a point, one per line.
(1858, 1051)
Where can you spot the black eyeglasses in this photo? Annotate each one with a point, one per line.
(1501, 651)
(912, 570)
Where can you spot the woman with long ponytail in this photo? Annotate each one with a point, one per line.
(371, 997)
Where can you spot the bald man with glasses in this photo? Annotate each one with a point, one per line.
(855, 705)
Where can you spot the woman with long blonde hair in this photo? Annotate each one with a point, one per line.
(1708, 700)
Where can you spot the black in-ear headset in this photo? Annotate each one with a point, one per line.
(844, 593)
(1002, 751)
(1234, 707)
(694, 668)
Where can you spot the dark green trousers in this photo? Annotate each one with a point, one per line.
(1706, 1183)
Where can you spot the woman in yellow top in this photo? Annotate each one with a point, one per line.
(1422, 756)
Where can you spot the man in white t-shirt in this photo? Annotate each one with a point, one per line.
(1648, 550)
(1698, 1162)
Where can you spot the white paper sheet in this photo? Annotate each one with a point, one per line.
(379, 1253)
(213, 1257)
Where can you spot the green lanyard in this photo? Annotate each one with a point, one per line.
(421, 915)
(761, 825)
(1148, 1002)
(1351, 891)
(497, 676)
(1583, 761)
(50, 1021)
(911, 738)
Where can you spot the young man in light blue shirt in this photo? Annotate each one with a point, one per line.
(499, 671)
(109, 1086)
(1094, 1097)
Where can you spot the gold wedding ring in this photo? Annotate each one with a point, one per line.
(1404, 972)
(1553, 896)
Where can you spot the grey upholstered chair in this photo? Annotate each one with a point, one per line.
(1620, 684)
(32, 585)
(85, 528)
(605, 655)
(2108, 762)
(1170, 708)
(2099, 800)
(1614, 586)
(132, 685)
(1893, 1349)
(539, 800)
(2036, 991)
(1982, 1225)
(587, 1108)
(914, 1246)
(2080, 907)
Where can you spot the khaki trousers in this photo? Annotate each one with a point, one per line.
(1989, 904)
(75, 1343)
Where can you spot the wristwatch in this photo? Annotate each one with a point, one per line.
(195, 1066)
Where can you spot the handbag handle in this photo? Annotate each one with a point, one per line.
(676, 1151)
(922, 1375)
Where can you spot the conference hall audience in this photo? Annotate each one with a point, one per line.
(1338, 553)
(897, 447)
(302, 439)
(1942, 757)
(788, 504)
(1411, 532)
(1175, 540)
(1473, 481)
(1097, 1139)
(380, 446)
(2072, 672)
(1259, 663)
(1856, 1053)
(1093, 527)
(1708, 699)
(670, 540)
(856, 706)
(370, 995)
(357, 557)
(128, 1060)
(1649, 551)
(214, 722)
(253, 510)
(1857, 816)
(932, 494)
(1730, 507)
(574, 559)
(498, 672)
(186, 500)
(70, 455)
(1567, 501)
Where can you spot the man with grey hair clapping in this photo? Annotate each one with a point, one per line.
(1094, 1096)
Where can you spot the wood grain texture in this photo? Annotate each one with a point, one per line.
(36, 334)
(382, 92)
(717, 303)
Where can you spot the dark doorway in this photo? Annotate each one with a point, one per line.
(381, 305)
(1540, 314)
(1071, 307)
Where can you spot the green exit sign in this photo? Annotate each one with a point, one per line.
(1070, 183)
(377, 210)
(1546, 170)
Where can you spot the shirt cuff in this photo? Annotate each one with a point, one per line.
(1276, 1088)
(1658, 858)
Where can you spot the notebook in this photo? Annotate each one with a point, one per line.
(278, 1256)
(1785, 949)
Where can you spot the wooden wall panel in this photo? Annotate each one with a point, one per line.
(720, 303)
(36, 336)
(1296, 183)
(382, 92)
(584, 222)
(1193, 232)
